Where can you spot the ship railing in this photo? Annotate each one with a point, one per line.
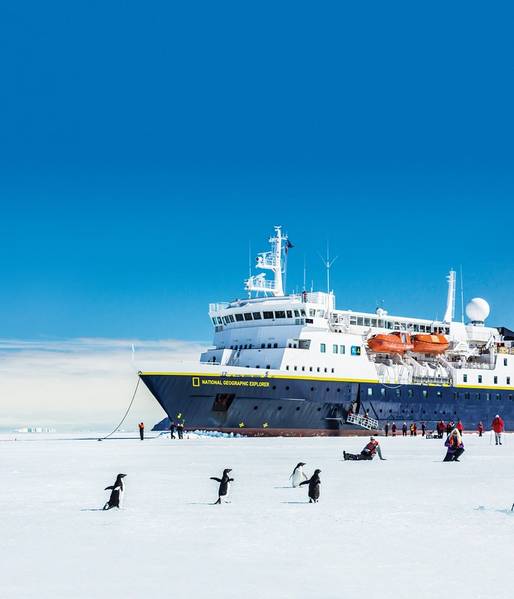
(430, 380)
(364, 421)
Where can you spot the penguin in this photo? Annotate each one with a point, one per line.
(298, 474)
(224, 487)
(314, 483)
(117, 490)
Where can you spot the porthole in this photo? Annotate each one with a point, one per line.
(338, 390)
(298, 408)
(274, 387)
(312, 388)
(287, 388)
(319, 409)
(255, 407)
(279, 408)
(328, 389)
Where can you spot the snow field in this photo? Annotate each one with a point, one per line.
(408, 526)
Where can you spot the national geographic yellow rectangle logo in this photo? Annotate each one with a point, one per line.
(199, 382)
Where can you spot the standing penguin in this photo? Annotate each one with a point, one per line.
(117, 490)
(224, 482)
(314, 482)
(298, 474)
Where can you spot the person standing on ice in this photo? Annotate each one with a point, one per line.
(498, 425)
(180, 430)
(172, 430)
(423, 429)
(386, 429)
(404, 429)
(480, 429)
(393, 429)
(440, 429)
(368, 453)
(459, 426)
(454, 445)
(141, 426)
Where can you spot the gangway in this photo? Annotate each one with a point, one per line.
(364, 421)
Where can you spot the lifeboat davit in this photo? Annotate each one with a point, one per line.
(430, 344)
(393, 343)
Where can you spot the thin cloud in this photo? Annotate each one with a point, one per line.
(82, 384)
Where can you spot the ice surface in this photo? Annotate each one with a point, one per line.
(409, 526)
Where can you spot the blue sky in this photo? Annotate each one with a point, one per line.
(143, 146)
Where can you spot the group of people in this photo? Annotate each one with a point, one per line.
(411, 430)
(177, 426)
(174, 426)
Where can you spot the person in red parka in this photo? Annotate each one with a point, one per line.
(368, 453)
(498, 426)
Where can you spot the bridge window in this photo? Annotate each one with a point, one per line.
(495, 380)
(214, 321)
(296, 367)
(297, 313)
(280, 314)
(239, 317)
(289, 314)
(275, 345)
(268, 315)
(256, 315)
(322, 348)
(341, 349)
(360, 320)
(269, 345)
(334, 349)
(479, 378)
(248, 316)
(356, 350)
(508, 380)
(465, 378)
(505, 361)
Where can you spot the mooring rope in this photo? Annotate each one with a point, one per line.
(126, 413)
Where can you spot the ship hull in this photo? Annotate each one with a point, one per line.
(291, 406)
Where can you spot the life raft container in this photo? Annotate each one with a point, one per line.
(393, 343)
(430, 344)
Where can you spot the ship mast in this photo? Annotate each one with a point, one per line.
(269, 261)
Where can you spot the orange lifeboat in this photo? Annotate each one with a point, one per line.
(393, 343)
(430, 344)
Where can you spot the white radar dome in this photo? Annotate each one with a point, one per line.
(477, 309)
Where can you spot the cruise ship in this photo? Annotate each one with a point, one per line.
(293, 364)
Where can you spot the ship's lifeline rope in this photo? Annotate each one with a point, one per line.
(126, 413)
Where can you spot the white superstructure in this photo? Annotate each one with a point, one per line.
(304, 335)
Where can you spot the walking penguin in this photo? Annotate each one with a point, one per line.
(224, 487)
(314, 482)
(298, 474)
(117, 490)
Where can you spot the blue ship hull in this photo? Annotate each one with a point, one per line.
(276, 405)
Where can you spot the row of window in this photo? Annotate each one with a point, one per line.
(397, 326)
(480, 379)
(438, 394)
(340, 349)
(242, 316)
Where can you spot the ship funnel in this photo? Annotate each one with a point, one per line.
(450, 302)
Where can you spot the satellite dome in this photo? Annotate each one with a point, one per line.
(477, 310)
